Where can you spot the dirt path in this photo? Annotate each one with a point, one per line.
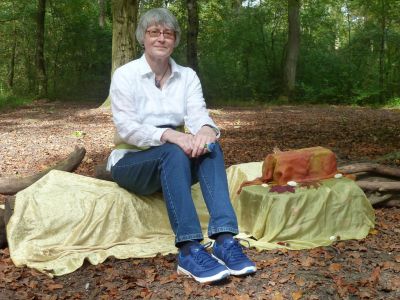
(34, 137)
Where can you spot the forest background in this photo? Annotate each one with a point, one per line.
(340, 51)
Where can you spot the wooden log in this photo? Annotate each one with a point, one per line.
(3, 234)
(393, 186)
(102, 173)
(12, 185)
(392, 203)
(5, 215)
(9, 208)
(370, 167)
(377, 198)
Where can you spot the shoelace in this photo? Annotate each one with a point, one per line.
(236, 249)
(203, 257)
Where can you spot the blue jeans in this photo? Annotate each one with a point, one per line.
(169, 169)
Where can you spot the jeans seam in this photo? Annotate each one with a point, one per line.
(189, 237)
(230, 229)
(208, 189)
(134, 164)
(168, 194)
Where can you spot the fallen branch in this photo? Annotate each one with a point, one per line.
(3, 235)
(9, 208)
(392, 203)
(5, 215)
(370, 167)
(10, 186)
(393, 186)
(102, 173)
(378, 198)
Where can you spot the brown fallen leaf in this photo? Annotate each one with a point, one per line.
(297, 295)
(277, 296)
(365, 295)
(375, 275)
(33, 284)
(307, 262)
(394, 283)
(214, 292)
(335, 267)
(300, 281)
(284, 279)
(141, 282)
(188, 288)
(242, 297)
(55, 286)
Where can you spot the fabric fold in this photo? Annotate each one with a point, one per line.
(65, 218)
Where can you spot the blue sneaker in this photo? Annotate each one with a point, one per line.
(200, 265)
(230, 253)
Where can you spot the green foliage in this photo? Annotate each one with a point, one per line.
(393, 103)
(7, 101)
(349, 50)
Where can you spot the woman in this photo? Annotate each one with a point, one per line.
(152, 99)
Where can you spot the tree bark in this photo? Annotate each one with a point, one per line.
(3, 235)
(192, 33)
(370, 167)
(12, 61)
(382, 52)
(40, 63)
(293, 47)
(124, 14)
(388, 186)
(10, 186)
(102, 12)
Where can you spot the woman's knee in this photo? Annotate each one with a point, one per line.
(174, 152)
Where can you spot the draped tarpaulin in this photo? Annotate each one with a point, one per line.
(65, 218)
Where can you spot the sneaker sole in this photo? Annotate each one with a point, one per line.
(244, 271)
(217, 277)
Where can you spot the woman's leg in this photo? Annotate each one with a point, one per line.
(214, 186)
(169, 168)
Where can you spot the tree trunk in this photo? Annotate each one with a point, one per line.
(124, 14)
(192, 33)
(236, 5)
(12, 61)
(382, 53)
(102, 12)
(293, 47)
(40, 64)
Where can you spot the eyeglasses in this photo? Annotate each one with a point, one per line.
(168, 34)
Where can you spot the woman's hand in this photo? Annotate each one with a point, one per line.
(204, 136)
(183, 140)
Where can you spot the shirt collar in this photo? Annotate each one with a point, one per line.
(145, 69)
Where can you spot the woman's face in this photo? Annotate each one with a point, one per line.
(159, 42)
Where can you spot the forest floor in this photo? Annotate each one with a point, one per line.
(36, 136)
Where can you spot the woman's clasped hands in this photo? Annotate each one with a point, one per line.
(192, 145)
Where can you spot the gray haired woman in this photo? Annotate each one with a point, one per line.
(153, 99)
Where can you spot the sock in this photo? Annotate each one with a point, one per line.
(184, 247)
(221, 237)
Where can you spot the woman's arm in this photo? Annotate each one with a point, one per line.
(126, 118)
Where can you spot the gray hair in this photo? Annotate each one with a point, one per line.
(157, 16)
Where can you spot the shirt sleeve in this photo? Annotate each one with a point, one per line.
(196, 112)
(126, 118)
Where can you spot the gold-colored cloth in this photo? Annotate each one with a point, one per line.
(65, 218)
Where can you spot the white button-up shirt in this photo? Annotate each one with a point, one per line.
(138, 106)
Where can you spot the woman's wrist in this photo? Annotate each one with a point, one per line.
(215, 130)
